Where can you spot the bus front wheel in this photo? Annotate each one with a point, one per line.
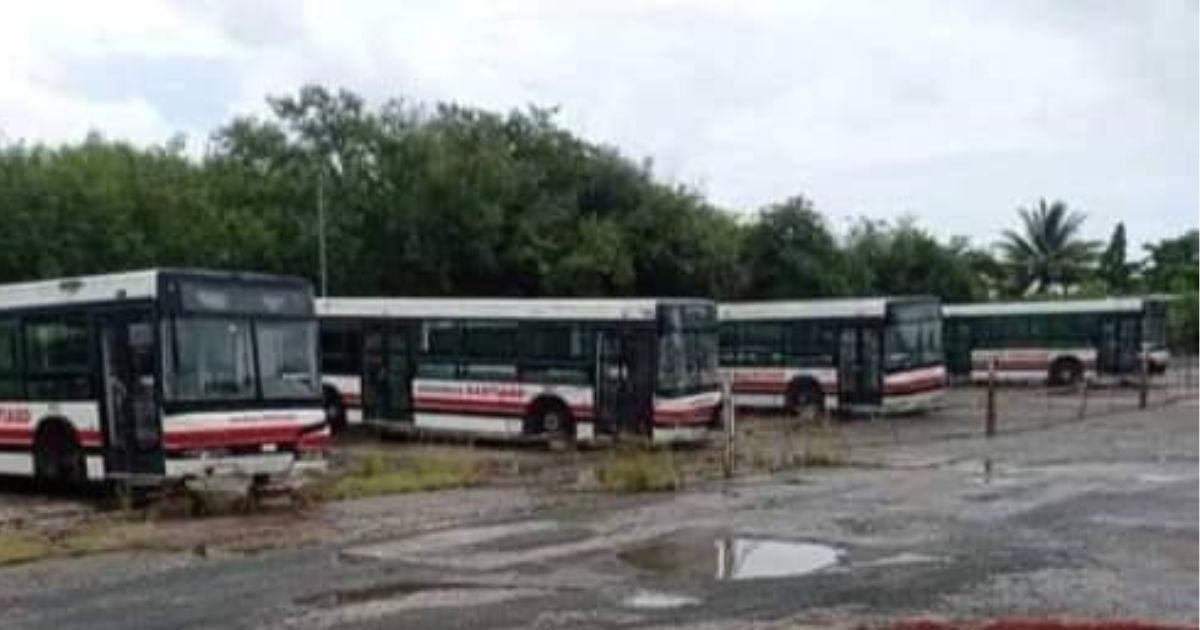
(58, 460)
(335, 411)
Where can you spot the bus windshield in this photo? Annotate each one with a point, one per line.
(914, 337)
(212, 358)
(687, 350)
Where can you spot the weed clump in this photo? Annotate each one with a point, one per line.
(638, 470)
(376, 474)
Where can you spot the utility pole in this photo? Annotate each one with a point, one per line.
(335, 164)
(321, 231)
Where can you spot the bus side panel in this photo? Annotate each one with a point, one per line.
(766, 387)
(1028, 364)
(19, 421)
(492, 407)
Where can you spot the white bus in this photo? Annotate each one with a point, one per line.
(853, 355)
(1058, 342)
(161, 374)
(541, 368)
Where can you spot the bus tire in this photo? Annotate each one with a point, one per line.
(1066, 371)
(551, 418)
(804, 394)
(335, 411)
(58, 459)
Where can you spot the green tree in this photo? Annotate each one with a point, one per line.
(904, 259)
(1173, 267)
(1047, 255)
(790, 253)
(1114, 271)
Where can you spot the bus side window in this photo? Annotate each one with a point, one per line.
(10, 372)
(58, 359)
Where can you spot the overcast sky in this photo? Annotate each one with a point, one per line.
(954, 112)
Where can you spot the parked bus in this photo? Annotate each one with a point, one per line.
(555, 369)
(1059, 342)
(161, 374)
(853, 355)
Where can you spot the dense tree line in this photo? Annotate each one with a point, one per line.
(451, 200)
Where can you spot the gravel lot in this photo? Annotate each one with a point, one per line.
(1057, 514)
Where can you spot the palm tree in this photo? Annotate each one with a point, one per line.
(1049, 254)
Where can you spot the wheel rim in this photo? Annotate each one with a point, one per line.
(551, 422)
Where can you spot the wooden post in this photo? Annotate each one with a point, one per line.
(1084, 400)
(730, 417)
(1143, 379)
(989, 428)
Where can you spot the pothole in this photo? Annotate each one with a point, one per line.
(342, 597)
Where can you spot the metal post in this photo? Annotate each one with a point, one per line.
(989, 428)
(321, 230)
(730, 417)
(1143, 380)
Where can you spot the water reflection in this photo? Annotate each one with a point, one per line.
(749, 558)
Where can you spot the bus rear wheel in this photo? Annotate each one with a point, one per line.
(1065, 372)
(552, 420)
(805, 397)
(58, 460)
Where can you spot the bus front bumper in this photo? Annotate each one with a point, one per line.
(275, 469)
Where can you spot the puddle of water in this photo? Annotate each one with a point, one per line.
(730, 557)
(653, 600)
(749, 558)
(1156, 478)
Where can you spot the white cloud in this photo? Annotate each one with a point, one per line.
(954, 111)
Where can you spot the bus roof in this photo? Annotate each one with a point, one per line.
(74, 290)
(1050, 307)
(840, 308)
(125, 285)
(497, 308)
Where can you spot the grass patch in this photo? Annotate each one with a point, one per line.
(375, 474)
(639, 470)
(823, 447)
(18, 547)
(100, 537)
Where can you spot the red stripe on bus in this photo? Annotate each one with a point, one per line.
(1027, 364)
(759, 388)
(915, 386)
(23, 436)
(230, 436)
(499, 407)
(695, 415)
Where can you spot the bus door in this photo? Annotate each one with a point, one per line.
(610, 382)
(387, 373)
(1119, 344)
(641, 368)
(624, 381)
(132, 424)
(860, 379)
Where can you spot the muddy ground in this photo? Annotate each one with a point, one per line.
(1081, 507)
